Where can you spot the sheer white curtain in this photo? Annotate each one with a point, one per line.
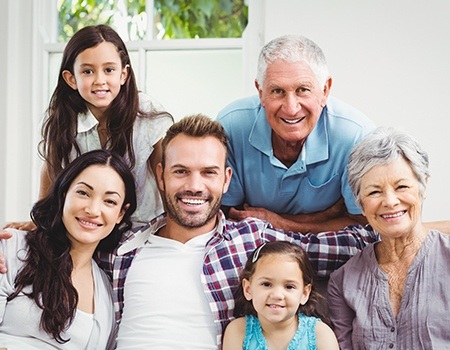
(17, 135)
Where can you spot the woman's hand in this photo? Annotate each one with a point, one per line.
(21, 225)
(3, 235)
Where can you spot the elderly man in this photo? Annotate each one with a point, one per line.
(288, 147)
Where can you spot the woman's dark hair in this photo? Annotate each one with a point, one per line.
(48, 264)
(60, 127)
(245, 307)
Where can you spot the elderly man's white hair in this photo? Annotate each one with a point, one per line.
(293, 48)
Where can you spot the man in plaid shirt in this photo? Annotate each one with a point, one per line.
(174, 279)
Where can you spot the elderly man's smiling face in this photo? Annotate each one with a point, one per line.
(293, 99)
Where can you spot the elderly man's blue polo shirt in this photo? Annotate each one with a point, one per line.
(314, 182)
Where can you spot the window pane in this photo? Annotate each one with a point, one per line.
(199, 19)
(200, 81)
(54, 63)
(177, 19)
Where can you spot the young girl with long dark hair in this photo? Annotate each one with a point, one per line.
(96, 105)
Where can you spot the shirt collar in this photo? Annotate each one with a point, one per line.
(314, 150)
(137, 239)
(141, 236)
(261, 134)
(317, 142)
(86, 122)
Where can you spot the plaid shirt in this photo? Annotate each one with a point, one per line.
(227, 251)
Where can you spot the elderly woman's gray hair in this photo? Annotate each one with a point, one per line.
(381, 147)
(293, 48)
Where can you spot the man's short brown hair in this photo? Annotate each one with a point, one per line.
(197, 125)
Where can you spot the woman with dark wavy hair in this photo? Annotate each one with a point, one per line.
(54, 295)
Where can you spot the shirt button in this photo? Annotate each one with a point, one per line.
(391, 346)
(392, 329)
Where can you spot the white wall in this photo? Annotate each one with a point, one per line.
(16, 87)
(3, 70)
(390, 59)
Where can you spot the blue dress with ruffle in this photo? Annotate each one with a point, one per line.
(304, 338)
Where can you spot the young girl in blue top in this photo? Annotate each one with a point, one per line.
(96, 105)
(278, 301)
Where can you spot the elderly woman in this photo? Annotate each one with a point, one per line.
(395, 294)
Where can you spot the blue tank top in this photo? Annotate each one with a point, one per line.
(304, 338)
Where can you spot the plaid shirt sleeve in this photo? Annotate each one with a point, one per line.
(105, 261)
(328, 251)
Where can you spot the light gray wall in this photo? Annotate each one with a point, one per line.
(390, 59)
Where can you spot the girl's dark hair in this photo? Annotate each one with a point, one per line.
(245, 307)
(60, 127)
(48, 264)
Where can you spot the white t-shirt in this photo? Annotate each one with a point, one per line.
(165, 304)
(20, 317)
